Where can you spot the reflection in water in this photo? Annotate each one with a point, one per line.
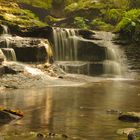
(76, 111)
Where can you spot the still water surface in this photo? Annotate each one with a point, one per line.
(76, 111)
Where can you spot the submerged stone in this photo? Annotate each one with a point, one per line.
(130, 116)
(134, 135)
(125, 131)
(8, 115)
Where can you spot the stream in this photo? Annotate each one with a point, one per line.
(80, 112)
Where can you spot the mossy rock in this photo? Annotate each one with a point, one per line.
(12, 13)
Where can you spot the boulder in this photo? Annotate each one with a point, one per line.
(130, 116)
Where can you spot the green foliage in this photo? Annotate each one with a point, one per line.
(98, 24)
(83, 5)
(134, 4)
(130, 24)
(51, 20)
(46, 4)
(79, 22)
(113, 16)
(11, 12)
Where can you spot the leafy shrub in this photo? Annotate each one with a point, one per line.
(113, 16)
(46, 4)
(98, 24)
(79, 22)
(130, 24)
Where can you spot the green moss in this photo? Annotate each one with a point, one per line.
(51, 20)
(98, 24)
(113, 16)
(11, 12)
(46, 4)
(79, 22)
(83, 5)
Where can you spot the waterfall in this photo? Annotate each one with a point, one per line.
(9, 54)
(2, 54)
(115, 62)
(5, 29)
(66, 43)
(7, 51)
(48, 49)
(67, 47)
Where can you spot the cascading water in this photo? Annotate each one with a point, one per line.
(66, 43)
(2, 54)
(115, 63)
(67, 48)
(5, 29)
(7, 51)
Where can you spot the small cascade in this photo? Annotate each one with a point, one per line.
(99, 55)
(5, 29)
(47, 46)
(9, 53)
(66, 43)
(114, 64)
(2, 55)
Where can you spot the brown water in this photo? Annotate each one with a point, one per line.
(76, 111)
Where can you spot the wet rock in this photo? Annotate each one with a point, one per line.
(35, 31)
(1, 70)
(1, 29)
(6, 117)
(130, 116)
(8, 70)
(41, 32)
(60, 136)
(40, 136)
(125, 131)
(82, 67)
(134, 135)
(11, 86)
(113, 111)
(2, 57)
(86, 33)
(26, 49)
(88, 50)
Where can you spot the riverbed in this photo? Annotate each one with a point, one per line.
(79, 112)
